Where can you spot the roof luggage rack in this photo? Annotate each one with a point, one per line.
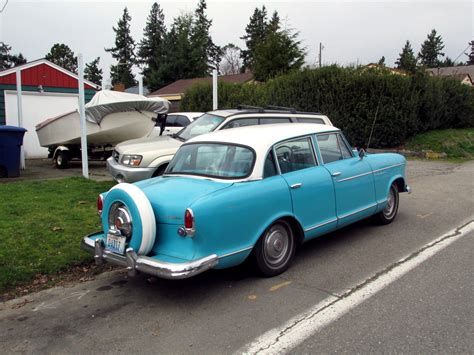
(274, 109)
(249, 107)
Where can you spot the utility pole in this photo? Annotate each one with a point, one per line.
(321, 47)
(82, 116)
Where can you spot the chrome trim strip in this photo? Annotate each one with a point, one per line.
(361, 210)
(320, 225)
(148, 265)
(388, 167)
(235, 252)
(355, 176)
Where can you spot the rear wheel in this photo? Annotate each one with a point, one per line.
(275, 249)
(62, 160)
(390, 211)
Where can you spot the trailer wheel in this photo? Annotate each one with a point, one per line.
(62, 160)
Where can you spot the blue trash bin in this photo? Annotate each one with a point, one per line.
(11, 140)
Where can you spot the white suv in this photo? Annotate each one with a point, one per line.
(143, 158)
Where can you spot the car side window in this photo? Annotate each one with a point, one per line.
(241, 123)
(310, 120)
(269, 168)
(270, 120)
(346, 153)
(182, 121)
(330, 148)
(295, 155)
(171, 121)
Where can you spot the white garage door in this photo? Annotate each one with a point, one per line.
(37, 107)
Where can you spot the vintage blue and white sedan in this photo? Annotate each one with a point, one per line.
(254, 192)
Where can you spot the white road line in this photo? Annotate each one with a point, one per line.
(299, 328)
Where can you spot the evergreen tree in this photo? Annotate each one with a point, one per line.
(63, 56)
(431, 50)
(93, 73)
(123, 52)
(471, 54)
(151, 48)
(448, 62)
(177, 60)
(406, 60)
(205, 54)
(279, 52)
(255, 33)
(381, 61)
(8, 60)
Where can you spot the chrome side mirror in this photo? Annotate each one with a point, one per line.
(362, 153)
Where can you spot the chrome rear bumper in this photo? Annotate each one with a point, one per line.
(145, 264)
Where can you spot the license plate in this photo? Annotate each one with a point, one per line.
(115, 243)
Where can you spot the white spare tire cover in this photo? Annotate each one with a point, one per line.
(143, 218)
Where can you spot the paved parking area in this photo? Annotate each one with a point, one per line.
(43, 169)
(426, 310)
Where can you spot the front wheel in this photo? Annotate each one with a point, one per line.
(390, 211)
(275, 249)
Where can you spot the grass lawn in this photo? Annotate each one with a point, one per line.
(456, 143)
(41, 226)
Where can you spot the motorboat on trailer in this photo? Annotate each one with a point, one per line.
(111, 117)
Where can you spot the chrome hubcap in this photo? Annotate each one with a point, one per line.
(389, 209)
(277, 243)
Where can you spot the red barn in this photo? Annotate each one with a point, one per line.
(47, 90)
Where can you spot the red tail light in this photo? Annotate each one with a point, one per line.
(188, 219)
(100, 204)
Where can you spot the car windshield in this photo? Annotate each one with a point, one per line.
(218, 160)
(205, 124)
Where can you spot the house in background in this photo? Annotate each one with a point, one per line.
(463, 73)
(384, 68)
(47, 91)
(174, 92)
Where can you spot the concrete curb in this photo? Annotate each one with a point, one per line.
(426, 154)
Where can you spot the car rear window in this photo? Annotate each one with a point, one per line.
(219, 160)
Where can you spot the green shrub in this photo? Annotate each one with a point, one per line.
(401, 106)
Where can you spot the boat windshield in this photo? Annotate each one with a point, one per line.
(205, 124)
(217, 160)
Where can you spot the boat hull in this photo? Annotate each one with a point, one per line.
(114, 128)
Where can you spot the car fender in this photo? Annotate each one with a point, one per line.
(58, 149)
(165, 159)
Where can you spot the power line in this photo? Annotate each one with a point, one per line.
(4, 6)
(462, 52)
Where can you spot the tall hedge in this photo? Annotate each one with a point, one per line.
(401, 106)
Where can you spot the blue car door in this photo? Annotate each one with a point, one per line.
(352, 178)
(310, 184)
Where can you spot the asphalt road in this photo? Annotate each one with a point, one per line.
(426, 309)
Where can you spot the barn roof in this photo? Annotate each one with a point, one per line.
(8, 76)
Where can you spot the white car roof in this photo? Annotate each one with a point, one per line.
(261, 138)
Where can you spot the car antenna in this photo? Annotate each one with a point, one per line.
(375, 119)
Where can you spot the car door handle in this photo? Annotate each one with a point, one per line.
(336, 173)
(296, 186)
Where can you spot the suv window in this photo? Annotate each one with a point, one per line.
(170, 121)
(182, 121)
(270, 120)
(310, 120)
(295, 155)
(241, 123)
(331, 148)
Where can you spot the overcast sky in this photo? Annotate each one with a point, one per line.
(351, 31)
